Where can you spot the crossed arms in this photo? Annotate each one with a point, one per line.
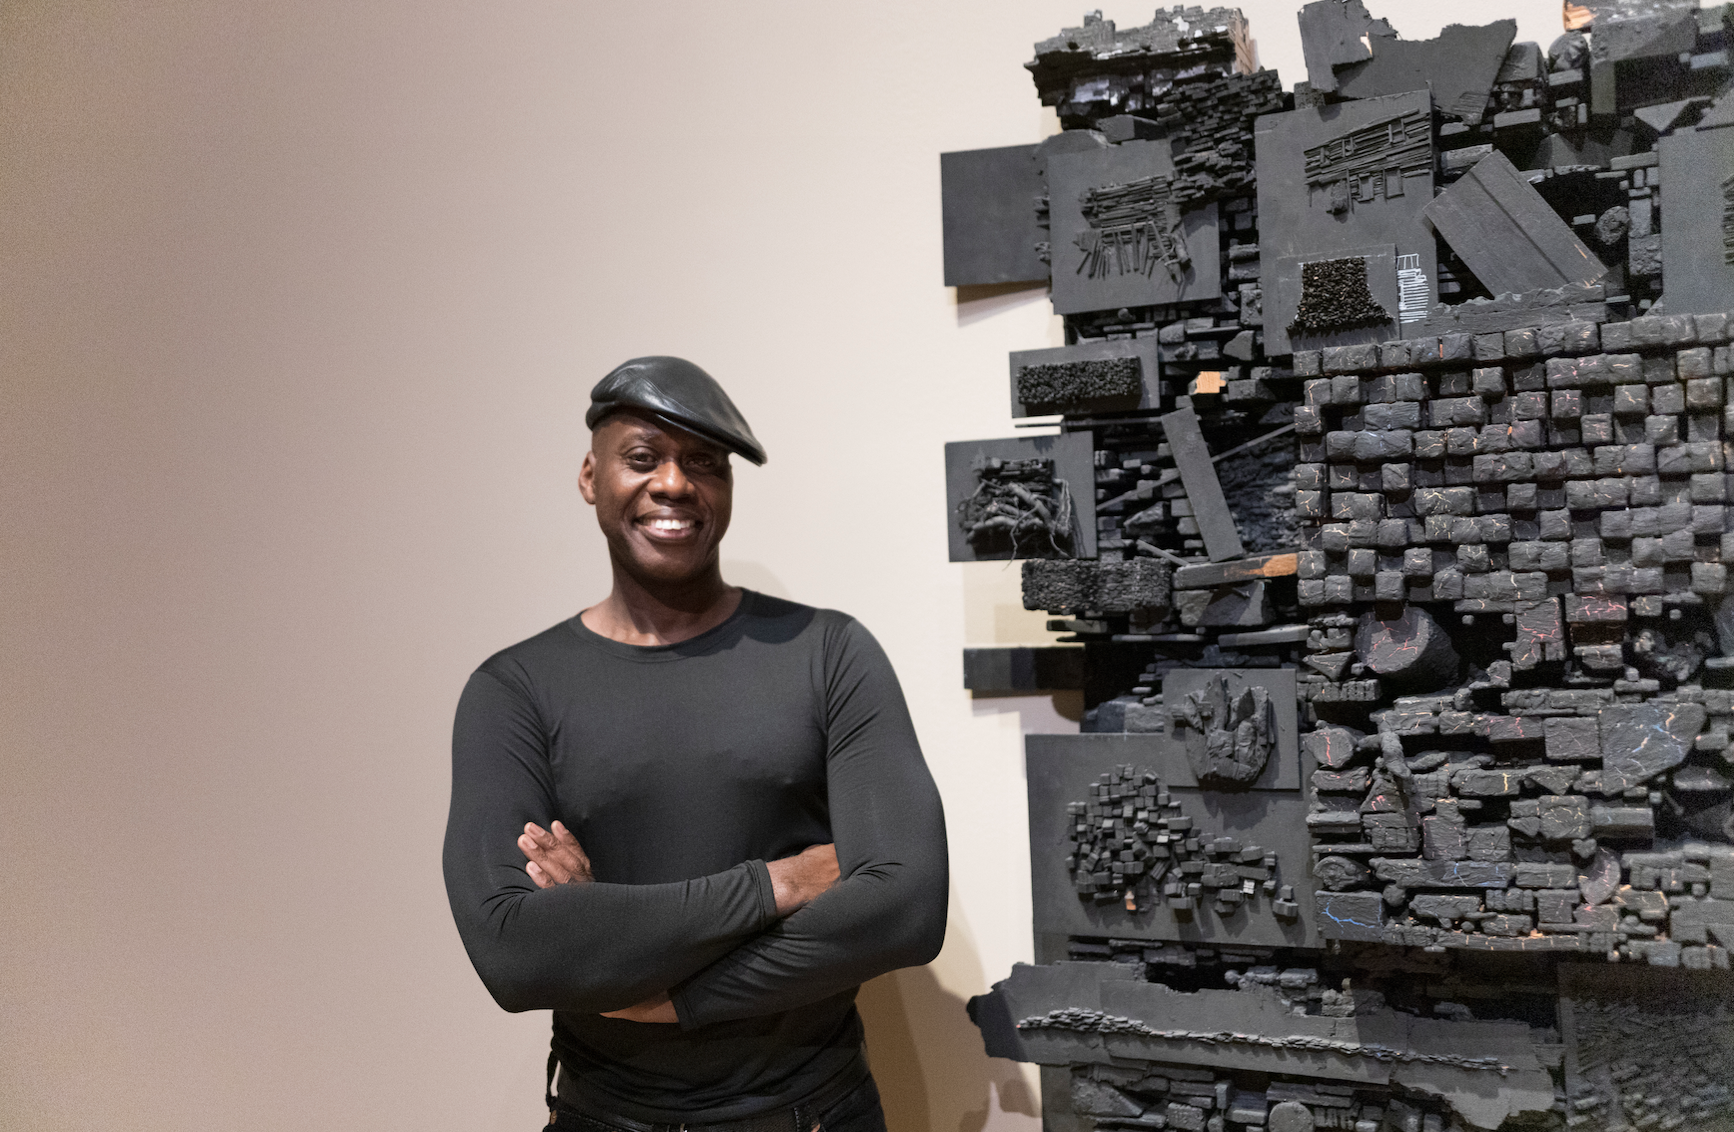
(555, 857)
(751, 940)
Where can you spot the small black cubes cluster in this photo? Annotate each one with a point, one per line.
(1132, 840)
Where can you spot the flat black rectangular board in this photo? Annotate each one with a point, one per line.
(1697, 177)
(988, 208)
(1061, 768)
(1070, 176)
(1020, 670)
(1507, 234)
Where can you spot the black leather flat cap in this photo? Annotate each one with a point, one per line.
(677, 391)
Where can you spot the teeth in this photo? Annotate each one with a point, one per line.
(671, 524)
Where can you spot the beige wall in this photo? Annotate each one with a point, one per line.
(299, 305)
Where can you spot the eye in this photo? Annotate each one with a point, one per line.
(641, 460)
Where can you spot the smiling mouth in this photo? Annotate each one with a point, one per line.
(667, 527)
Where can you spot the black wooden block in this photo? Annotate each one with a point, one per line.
(1508, 235)
(988, 207)
(1004, 671)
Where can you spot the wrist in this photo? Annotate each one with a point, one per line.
(785, 889)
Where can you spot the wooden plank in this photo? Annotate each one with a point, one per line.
(1198, 474)
(1022, 670)
(1173, 474)
(1508, 235)
(1201, 577)
(1281, 635)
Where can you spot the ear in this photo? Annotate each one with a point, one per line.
(587, 478)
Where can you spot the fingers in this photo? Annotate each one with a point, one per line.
(542, 862)
(555, 855)
(657, 1008)
(572, 854)
(563, 837)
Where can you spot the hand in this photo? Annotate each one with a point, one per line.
(555, 858)
(657, 1008)
(796, 881)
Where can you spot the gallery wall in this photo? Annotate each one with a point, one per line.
(300, 303)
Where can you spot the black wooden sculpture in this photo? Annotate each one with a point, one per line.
(1397, 442)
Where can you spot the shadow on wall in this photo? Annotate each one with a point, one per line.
(927, 1055)
(752, 576)
(988, 299)
(1042, 713)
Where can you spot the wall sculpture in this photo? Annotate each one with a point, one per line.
(1388, 520)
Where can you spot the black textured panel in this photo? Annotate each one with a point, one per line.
(1335, 296)
(1058, 387)
(1061, 586)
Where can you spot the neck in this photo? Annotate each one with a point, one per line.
(638, 611)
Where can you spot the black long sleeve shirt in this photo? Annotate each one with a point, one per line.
(682, 769)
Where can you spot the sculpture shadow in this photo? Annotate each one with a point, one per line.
(978, 302)
(933, 1071)
(1057, 712)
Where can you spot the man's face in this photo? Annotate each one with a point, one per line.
(662, 496)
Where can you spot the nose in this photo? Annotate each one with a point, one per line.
(670, 480)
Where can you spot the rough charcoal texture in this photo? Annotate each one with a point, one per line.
(1096, 587)
(1209, 123)
(1101, 838)
(1093, 375)
(1053, 388)
(1335, 296)
(1409, 649)
(1403, 793)
(1229, 732)
(1094, 71)
(1019, 505)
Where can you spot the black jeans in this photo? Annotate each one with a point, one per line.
(857, 1111)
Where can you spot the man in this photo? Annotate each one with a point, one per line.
(693, 819)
